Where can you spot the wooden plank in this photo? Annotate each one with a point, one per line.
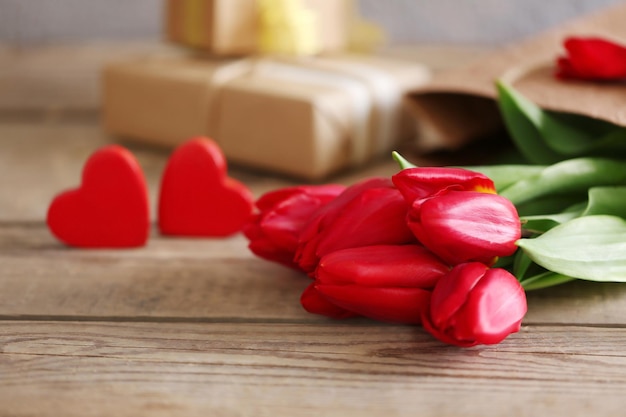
(205, 279)
(170, 278)
(128, 369)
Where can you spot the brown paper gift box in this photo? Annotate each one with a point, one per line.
(305, 118)
(458, 105)
(231, 27)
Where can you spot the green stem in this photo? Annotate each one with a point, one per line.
(570, 176)
(545, 280)
(404, 164)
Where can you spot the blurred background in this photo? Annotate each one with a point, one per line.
(485, 22)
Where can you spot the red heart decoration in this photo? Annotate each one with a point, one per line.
(197, 197)
(109, 209)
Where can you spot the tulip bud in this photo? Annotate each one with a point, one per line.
(463, 226)
(274, 232)
(384, 282)
(592, 59)
(419, 183)
(371, 212)
(316, 303)
(473, 304)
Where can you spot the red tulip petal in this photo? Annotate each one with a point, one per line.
(452, 291)
(462, 226)
(397, 305)
(410, 266)
(475, 305)
(274, 232)
(376, 216)
(370, 213)
(592, 59)
(441, 335)
(419, 183)
(313, 302)
(494, 309)
(306, 255)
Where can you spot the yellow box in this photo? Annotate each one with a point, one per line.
(233, 27)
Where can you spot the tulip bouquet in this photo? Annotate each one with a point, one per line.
(455, 249)
(417, 249)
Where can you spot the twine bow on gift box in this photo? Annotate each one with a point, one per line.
(373, 101)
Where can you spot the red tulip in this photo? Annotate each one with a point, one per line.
(592, 59)
(316, 303)
(384, 282)
(419, 183)
(473, 304)
(371, 212)
(462, 226)
(274, 232)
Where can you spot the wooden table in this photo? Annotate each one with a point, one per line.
(188, 327)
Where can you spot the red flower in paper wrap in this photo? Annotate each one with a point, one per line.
(274, 231)
(371, 212)
(592, 59)
(473, 304)
(384, 282)
(462, 220)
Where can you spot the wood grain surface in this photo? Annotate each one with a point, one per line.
(200, 327)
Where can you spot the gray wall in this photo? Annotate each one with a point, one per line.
(24, 22)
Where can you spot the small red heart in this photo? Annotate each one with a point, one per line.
(109, 209)
(197, 197)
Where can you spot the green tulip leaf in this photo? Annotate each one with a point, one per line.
(606, 200)
(573, 176)
(533, 277)
(602, 200)
(575, 135)
(589, 247)
(521, 263)
(544, 222)
(545, 137)
(544, 280)
(550, 204)
(521, 117)
(504, 262)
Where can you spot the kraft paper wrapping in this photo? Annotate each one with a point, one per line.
(164, 100)
(458, 105)
(232, 27)
(304, 118)
(387, 82)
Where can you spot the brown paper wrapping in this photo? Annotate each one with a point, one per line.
(231, 27)
(458, 105)
(306, 118)
(164, 100)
